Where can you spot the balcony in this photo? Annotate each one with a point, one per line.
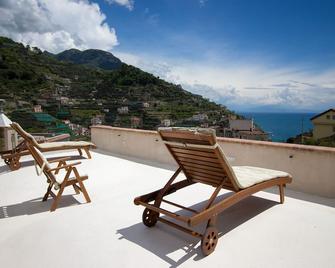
(257, 232)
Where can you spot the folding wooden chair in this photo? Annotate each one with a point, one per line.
(202, 160)
(12, 157)
(55, 180)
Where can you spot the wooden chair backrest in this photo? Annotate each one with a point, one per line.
(200, 157)
(25, 135)
(41, 161)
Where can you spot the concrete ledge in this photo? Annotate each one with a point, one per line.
(312, 167)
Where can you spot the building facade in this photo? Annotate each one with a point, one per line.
(324, 124)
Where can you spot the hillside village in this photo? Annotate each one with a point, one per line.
(49, 93)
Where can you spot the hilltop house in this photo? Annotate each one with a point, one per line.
(145, 105)
(166, 122)
(324, 124)
(97, 120)
(241, 124)
(123, 110)
(244, 129)
(37, 109)
(199, 117)
(135, 122)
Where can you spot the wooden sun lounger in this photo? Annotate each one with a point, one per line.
(55, 180)
(12, 157)
(202, 160)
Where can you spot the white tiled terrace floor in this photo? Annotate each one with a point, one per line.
(257, 232)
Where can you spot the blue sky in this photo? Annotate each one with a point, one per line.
(250, 55)
(290, 32)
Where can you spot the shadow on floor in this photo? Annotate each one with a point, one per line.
(35, 206)
(164, 241)
(138, 160)
(4, 169)
(304, 197)
(288, 192)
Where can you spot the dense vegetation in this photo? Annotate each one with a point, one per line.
(307, 139)
(91, 57)
(29, 76)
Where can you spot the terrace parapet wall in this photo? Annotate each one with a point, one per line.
(312, 167)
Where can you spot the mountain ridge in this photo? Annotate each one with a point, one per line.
(29, 76)
(90, 57)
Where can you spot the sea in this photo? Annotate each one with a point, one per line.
(282, 126)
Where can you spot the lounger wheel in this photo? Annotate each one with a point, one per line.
(14, 163)
(209, 240)
(149, 217)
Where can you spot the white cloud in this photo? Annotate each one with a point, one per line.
(245, 86)
(56, 25)
(126, 3)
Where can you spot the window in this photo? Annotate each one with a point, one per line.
(328, 116)
(334, 129)
(333, 117)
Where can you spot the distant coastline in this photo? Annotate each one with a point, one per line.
(281, 126)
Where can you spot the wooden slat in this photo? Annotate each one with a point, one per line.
(200, 152)
(201, 158)
(201, 163)
(188, 137)
(206, 182)
(197, 173)
(189, 141)
(197, 166)
(203, 178)
(205, 172)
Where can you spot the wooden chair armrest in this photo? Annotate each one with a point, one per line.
(65, 166)
(60, 159)
(58, 138)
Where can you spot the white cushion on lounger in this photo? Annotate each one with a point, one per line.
(247, 176)
(58, 144)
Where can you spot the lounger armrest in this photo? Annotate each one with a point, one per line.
(58, 138)
(65, 166)
(59, 159)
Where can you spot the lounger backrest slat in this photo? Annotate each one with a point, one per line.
(25, 135)
(185, 137)
(199, 156)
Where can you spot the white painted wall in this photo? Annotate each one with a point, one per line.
(312, 167)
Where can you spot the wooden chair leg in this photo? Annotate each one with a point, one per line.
(87, 151)
(83, 190)
(75, 187)
(281, 192)
(45, 198)
(58, 196)
(81, 184)
(80, 152)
